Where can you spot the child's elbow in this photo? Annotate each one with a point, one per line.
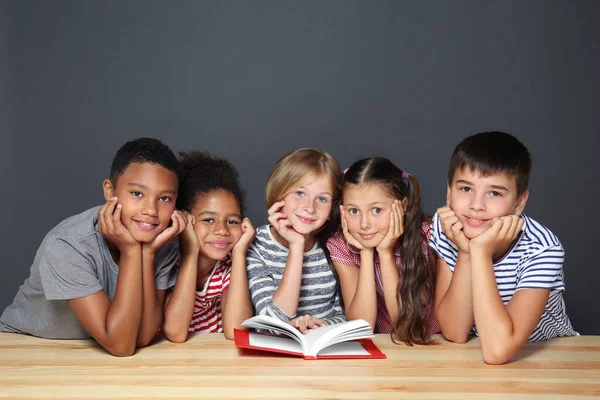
(497, 355)
(229, 329)
(176, 337)
(456, 337)
(229, 335)
(121, 350)
(144, 341)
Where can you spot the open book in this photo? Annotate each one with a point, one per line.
(331, 341)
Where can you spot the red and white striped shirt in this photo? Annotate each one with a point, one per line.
(207, 316)
(347, 254)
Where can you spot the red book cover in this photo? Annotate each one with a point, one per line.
(354, 349)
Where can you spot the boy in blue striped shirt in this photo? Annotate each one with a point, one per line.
(497, 268)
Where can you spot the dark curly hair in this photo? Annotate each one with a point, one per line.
(202, 173)
(143, 150)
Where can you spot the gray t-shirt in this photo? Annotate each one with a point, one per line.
(73, 261)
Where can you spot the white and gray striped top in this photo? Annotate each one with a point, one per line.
(533, 262)
(265, 263)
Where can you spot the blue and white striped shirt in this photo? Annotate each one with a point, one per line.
(265, 263)
(533, 262)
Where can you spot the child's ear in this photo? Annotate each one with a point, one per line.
(108, 189)
(448, 196)
(521, 201)
(404, 203)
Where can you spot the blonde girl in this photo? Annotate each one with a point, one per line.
(289, 276)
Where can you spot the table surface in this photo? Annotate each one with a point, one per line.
(209, 366)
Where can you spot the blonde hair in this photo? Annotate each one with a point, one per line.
(300, 165)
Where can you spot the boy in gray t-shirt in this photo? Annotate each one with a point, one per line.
(103, 273)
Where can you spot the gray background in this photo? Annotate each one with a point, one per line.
(251, 81)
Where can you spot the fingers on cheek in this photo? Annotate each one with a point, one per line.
(446, 227)
(517, 222)
(516, 228)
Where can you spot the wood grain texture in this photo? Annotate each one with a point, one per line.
(211, 367)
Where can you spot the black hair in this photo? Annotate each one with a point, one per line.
(202, 173)
(416, 288)
(143, 150)
(492, 152)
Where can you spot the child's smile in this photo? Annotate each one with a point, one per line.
(476, 223)
(220, 245)
(367, 236)
(306, 220)
(146, 226)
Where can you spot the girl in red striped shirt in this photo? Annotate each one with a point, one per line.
(211, 292)
(385, 268)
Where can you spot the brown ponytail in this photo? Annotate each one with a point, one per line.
(416, 288)
(415, 293)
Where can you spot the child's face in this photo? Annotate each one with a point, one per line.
(477, 200)
(308, 206)
(147, 193)
(367, 208)
(218, 223)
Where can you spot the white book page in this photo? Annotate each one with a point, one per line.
(314, 335)
(344, 349)
(331, 334)
(266, 322)
(274, 342)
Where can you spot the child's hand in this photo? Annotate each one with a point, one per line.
(248, 233)
(178, 225)
(188, 241)
(395, 230)
(503, 229)
(282, 225)
(306, 322)
(347, 235)
(111, 227)
(453, 228)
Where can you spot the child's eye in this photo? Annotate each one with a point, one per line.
(233, 222)
(322, 199)
(465, 189)
(299, 193)
(353, 211)
(495, 193)
(377, 210)
(165, 198)
(208, 220)
(136, 194)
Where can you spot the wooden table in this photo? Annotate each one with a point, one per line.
(210, 367)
